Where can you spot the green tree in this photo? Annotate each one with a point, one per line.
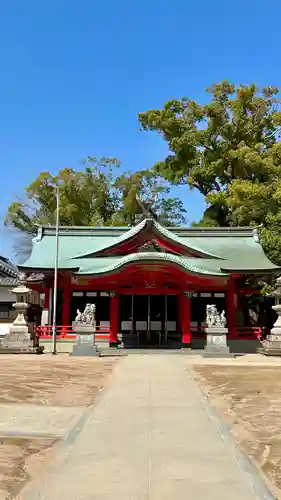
(87, 197)
(92, 196)
(230, 151)
(147, 187)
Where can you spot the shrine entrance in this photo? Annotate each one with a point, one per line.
(149, 320)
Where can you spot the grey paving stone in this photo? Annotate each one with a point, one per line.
(150, 437)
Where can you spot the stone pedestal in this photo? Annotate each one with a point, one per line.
(216, 342)
(272, 345)
(18, 340)
(85, 341)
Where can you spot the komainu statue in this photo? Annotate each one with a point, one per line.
(88, 317)
(213, 318)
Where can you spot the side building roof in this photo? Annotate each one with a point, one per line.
(8, 272)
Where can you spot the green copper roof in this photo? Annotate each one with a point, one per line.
(220, 250)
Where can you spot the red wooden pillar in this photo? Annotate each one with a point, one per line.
(179, 312)
(66, 305)
(231, 308)
(185, 311)
(114, 320)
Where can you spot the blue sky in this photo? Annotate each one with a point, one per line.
(74, 76)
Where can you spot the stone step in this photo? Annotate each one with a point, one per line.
(112, 351)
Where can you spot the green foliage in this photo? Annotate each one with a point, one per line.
(92, 196)
(149, 188)
(230, 151)
(86, 198)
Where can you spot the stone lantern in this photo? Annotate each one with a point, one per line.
(18, 339)
(272, 345)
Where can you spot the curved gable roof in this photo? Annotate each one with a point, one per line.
(158, 230)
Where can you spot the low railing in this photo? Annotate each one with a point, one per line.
(241, 333)
(45, 332)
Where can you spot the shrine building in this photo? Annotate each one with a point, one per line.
(150, 284)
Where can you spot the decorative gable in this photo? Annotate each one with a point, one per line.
(151, 246)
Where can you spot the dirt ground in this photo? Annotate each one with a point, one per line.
(15, 453)
(42, 380)
(62, 380)
(250, 400)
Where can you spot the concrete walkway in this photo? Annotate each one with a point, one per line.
(151, 436)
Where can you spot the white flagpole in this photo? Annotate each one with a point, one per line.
(55, 294)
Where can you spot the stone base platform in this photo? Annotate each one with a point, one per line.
(85, 350)
(64, 346)
(272, 345)
(270, 351)
(218, 354)
(21, 350)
